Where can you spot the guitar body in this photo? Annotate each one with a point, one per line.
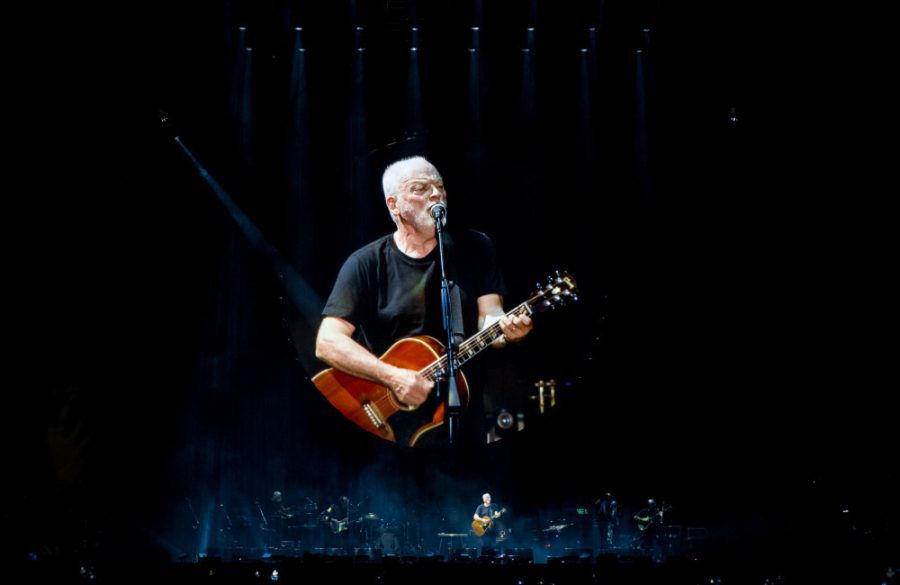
(374, 408)
(645, 522)
(479, 527)
(338, 526)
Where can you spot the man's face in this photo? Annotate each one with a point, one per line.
(487, 500)
(420, 190)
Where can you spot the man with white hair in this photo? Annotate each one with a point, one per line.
(390, 288)
(487, 510)
(650, 521)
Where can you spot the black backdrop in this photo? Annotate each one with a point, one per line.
(701, 191)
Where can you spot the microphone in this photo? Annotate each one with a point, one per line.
(439, 213)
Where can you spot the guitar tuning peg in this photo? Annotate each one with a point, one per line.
(575, 298)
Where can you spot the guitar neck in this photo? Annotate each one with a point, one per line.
(475, 344)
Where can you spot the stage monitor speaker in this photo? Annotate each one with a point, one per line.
(580, 554)
(489, 552)
(463, 554)
(520, 554)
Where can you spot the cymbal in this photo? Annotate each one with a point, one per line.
(370, 516)
(451, 534)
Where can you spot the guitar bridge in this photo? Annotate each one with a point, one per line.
(373, 415)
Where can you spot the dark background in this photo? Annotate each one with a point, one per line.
(727, 353)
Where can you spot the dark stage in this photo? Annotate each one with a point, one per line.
(195, 175)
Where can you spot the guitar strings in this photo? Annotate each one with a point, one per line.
(473, 345)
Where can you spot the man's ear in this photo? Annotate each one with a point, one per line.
(391, 201)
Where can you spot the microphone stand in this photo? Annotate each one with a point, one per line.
(264, 527)
(447, 376)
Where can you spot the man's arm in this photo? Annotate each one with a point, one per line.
(490, 309)
(336, 347)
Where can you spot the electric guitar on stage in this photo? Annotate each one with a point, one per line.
(479, 527)
(375, 408)
(645, 522)
(338, 526)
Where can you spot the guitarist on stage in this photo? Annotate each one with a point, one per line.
(390, 289)
(485, 514)
(650, 522)
(337, 520)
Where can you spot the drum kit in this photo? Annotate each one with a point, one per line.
(357, 531)
(389, 537)
(370, 531)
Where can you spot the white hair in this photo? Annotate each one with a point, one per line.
(483, 496)
(396, 173)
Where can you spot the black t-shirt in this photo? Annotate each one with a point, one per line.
(488, 511)
(388, 296)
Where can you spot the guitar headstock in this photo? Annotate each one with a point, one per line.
(558, 290)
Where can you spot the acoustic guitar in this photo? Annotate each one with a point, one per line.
(374, 407)
(479, 527)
